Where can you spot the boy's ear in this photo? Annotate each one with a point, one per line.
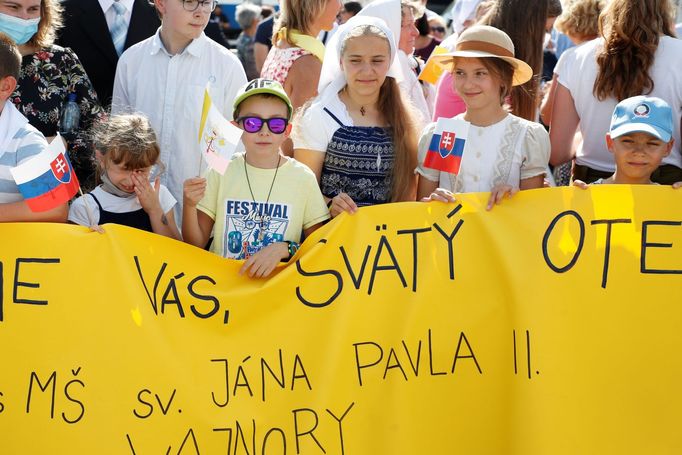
(235, 123)
(287, 132)
(160, 6)
(7, 86)
(669, 147)
(609, 142)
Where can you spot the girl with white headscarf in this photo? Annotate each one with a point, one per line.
(358, 136)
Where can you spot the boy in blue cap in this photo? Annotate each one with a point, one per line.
(640, 137)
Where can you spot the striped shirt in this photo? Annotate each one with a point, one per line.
(19, 141)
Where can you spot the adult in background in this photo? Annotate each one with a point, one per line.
(247, 16)
(348, 10)
(425, 42)
(526, 22)
(595, 79)
(263, 40)
(49, 75)
(295, 59)
(437, 27)
(90, 28)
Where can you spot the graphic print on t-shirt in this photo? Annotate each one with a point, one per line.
(250, 226)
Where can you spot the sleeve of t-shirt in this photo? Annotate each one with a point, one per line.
(264, 33)
(30, 144)
(78, 212)
(566, 68)
(313, 130)
(209, 203)
(316, 210)
(423, 147)
(536, 149)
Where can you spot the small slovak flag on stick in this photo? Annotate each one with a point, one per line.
(447, 145)
(47, 180)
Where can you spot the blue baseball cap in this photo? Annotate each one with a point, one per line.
(642, 114)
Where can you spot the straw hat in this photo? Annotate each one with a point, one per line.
(483, 41)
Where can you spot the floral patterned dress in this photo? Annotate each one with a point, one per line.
(46, 80)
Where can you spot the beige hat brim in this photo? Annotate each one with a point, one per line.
(522, 71)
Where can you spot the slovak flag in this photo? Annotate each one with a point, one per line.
(47, 180)
(447, 145)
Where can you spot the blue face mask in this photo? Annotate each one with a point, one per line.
(20, 30)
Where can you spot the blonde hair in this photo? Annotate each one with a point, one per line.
(401, 118)
(631, 31)
(50, 22)
(298, 15)
(581, 18)
(126, 139)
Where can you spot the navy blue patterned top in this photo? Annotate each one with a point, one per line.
(359, 162)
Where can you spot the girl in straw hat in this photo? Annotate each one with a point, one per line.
(503, 153)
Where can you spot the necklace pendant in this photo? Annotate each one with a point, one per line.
(362, 110)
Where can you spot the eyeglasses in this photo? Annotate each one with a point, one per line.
(276, 125)
(438, 29)
(192, 5)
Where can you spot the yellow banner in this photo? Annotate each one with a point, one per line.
(549, 325)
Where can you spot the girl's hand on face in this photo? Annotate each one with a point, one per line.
(146, 194)
(582, 185)
(441, 195)
(498, 193)
(342, 203)
(193, 191)
(261, 264)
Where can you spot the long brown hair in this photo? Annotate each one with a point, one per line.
(401, 118)
(631, 31)
(524, 22)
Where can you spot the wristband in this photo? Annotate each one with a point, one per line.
(292, 247)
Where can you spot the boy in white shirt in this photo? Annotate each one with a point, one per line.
(263, 202)
(164, 77)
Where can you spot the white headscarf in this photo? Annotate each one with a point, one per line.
(332, 78)
(390, 11)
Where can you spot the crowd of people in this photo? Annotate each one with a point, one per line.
(334, 113)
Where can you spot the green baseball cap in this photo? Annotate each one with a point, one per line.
(262, 86)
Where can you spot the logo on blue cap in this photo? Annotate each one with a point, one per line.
(642, 111)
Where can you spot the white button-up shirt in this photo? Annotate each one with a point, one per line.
(169, 90)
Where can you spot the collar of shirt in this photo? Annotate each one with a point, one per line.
(194, 48)
(106, 4)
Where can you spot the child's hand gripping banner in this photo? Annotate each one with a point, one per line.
(447, 145)
(47, 180)
(218, 137)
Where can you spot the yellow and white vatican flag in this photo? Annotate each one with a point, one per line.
(218, 137)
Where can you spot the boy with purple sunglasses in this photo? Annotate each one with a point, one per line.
(265, 200)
